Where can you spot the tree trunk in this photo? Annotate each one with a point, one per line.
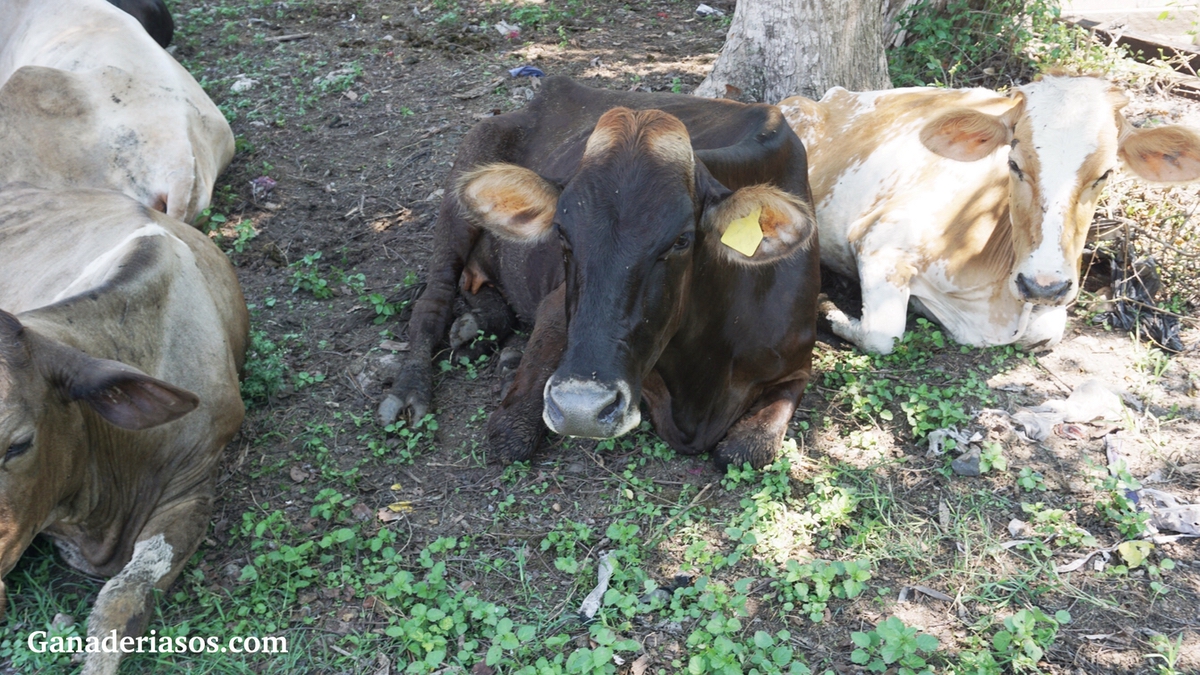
(779, 48)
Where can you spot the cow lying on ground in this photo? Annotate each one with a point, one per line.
(973, 205)
(662, 246)
(122, 332)
(153, 15)
(87, 99)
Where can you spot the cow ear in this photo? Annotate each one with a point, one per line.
(1169, 154)
(760, 224)
(511, 201)
(967, 135)
(124, 395)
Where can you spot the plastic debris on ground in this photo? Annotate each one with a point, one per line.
(526, 71)
(1134, 288)
(591, 604)
(507, 30)
(1090, 401)
(705, 10)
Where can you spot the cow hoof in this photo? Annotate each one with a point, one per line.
(390, 409)
(757, 446)
(464, 330)
(510, 440)
(507, 364)
(409, 395)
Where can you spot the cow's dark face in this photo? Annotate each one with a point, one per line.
(634, 222)
(43, 440)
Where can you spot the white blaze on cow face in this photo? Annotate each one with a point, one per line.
(1063, 148)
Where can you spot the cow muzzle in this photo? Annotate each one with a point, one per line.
(589, 409)
(1044, 289)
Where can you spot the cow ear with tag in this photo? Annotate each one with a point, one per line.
(1167, 154)
(760, 224)
(967, 135)
(512, 202)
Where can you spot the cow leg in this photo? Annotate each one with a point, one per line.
(126, 602)
(757, 437)
(885, 292)
(489, 316)
(412, 390)
(516, 429)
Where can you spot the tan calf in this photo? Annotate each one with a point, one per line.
(972, 205)
(122, 332)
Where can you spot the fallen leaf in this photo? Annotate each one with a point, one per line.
(298, 475)
(1134, 553)
(386, 515)
(400, 507)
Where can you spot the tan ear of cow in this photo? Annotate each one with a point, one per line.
(509, 200)
(127, 397)
(760, 224)
(1169, 154)
(968, 135)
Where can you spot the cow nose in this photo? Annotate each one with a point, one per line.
(586, 408)
(1033, 291)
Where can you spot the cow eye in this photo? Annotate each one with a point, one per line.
(1103, 178)
(17, 449)
(1016, 169)
(683, 242)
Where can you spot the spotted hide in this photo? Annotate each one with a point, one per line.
(663, 249)
(971, 205)
(88, 99)
(122, 332)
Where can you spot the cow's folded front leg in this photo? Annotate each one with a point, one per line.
(516, 429)
(757, 437)
(489, 317)
(885, 292)
(126, 602)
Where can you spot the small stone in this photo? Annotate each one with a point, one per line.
(243, 84)
(967, 464)
(62, 621)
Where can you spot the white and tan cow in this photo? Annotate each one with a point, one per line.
(972, 205)
(89, 99)
(122, 333)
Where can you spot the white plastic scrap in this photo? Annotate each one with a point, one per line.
(1090, 401)
(1166, 513)
(591, 604)
(705, 10)
(507, 29)
(937, 440)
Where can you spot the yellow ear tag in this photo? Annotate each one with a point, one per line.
(744, 234)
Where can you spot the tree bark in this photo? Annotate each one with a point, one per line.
(780, 48)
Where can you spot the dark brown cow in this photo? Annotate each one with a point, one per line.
(599, 217)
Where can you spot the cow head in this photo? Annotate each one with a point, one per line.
(1065, 136)
(636, 221)
(44, 442)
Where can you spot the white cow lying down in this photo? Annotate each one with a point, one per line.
(89, 99)
(973, 205)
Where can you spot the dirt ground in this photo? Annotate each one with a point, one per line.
(354, 111)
